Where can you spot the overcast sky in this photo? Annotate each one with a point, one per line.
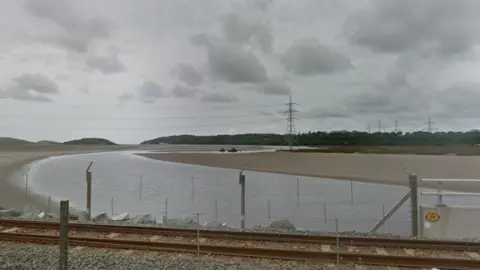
(135, 70)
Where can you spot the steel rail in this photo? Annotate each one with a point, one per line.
(256, 236)
(284, 254)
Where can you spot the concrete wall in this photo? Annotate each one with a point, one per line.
(454, 222)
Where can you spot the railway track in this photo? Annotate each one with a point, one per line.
(344, 256)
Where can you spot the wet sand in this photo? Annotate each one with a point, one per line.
(385, 169)
(13, 158)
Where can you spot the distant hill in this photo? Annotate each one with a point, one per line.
(47, 142)
(8, 140)
(90, 141)
(237, 139)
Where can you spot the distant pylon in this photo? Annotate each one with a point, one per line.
(291, 122)
(429, 124)
(379, 126)
(396, 126)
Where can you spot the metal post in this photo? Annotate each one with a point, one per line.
(298, 191)
(269, 217)
(351, 192)
(193, 188)
(140, 189)
(198, 234)
(413, 179)
(111, 204)
(26, 184)
(391, 212)
(166, 207)
(383, 213)
(63, 260)
(89, 194)
(325, 212)
(338, 241)
(49, 203)
(242, 209)
(216, 210)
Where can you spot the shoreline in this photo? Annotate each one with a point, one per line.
(14, 164)
(387, 169)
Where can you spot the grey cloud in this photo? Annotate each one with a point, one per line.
(239, 31)
(125, 97)
(274, 87)
(398, 26)
(188, 74)
(106, 64)
(235, 65)
(184, 92)
(78, 33)
(327, 112)
(21, 94)
(149, 91)
(37, 82)
(219, 98)
(309, 57)
(459, 100)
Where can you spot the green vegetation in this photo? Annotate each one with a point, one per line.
(46, 142)
(338, 138)
(9, 141)
(90, 141)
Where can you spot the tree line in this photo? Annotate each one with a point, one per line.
(352, 138)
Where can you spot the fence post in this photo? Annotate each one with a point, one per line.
(269, 217)
(166, 208)
(242, 209)
(383, 213)
(198, 234)
(351, 192)
(63, 260)
(193, 188)
(325, 212)
(49, 203)
(140, 189)
(26, 184)
(216, 210)
(338, 241)
(298, 191)
(89, 190)
(413, 181)
(111, 204)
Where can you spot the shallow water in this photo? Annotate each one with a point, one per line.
(179, 190)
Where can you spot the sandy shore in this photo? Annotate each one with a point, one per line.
(13, 158)
(387, 169)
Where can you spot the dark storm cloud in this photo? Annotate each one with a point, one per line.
(308, 57)
(105, 64)
(219, 98)
(326, 112)
(188, 74)
(398, 26)
(459, 100)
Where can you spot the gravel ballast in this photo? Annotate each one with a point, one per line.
(23, 257)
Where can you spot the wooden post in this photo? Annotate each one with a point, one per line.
(413, 181)
(351, 192)
(63, 235)
(242, 209)
(89, 190)
(216, 210)
(269, 216)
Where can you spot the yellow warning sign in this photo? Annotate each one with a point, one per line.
(432, 217)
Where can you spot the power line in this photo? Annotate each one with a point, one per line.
(155, 118)
(291, 122)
